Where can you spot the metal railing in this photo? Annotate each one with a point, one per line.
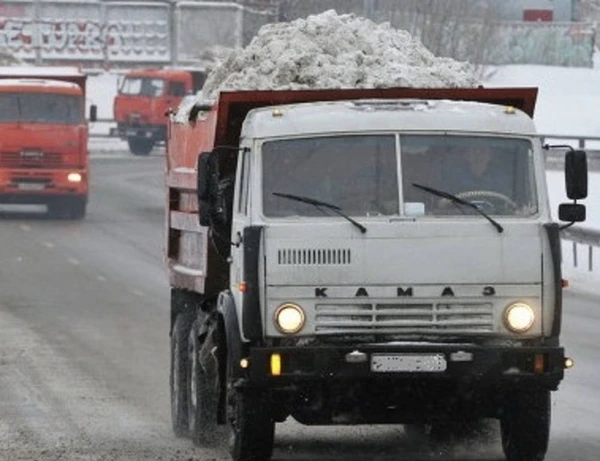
(583, 236)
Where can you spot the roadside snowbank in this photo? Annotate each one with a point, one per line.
(333, 51)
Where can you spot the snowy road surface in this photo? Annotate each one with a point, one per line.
(84, 346)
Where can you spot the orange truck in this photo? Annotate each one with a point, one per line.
(327, 263)
(44, 139)
(143, 98)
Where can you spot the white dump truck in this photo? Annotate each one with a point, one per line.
(365, 257)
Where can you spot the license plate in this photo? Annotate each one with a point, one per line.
(130, 133)
(31, 185)
(424, 363)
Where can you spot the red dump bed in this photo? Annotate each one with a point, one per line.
(189, 258)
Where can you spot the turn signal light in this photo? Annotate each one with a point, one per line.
(276, 364)
(538, 363)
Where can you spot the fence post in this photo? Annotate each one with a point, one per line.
(105, 31)
(574, 254)
(37, 39)
(174, 32)
(582, 143)
(590, 256)
(368, 9)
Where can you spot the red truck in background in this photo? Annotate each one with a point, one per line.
(44, 139)
(143, 98)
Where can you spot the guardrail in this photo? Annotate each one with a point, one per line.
(583, 236)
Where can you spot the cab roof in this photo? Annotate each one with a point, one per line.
(33, 85)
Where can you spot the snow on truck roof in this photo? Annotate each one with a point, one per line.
(388, 115)
(37, 83)
(45, 71)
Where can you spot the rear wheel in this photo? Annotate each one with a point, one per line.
(202, 389)
(525, 425)
(178, 375)
(140, 146)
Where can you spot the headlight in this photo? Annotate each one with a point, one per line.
(519, 317)
(289, 318)
(74, 177)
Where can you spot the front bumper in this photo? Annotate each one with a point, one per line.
(24, 186)
(127, 131)
(467, 364)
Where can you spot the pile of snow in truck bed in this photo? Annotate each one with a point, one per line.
(333, 51)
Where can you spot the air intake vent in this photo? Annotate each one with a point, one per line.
(313, 257)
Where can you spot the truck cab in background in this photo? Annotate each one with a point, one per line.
(143, 98)
(330, 261)
(44, 139)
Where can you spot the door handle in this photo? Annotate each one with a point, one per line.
(238, 240)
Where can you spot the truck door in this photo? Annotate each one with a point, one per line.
(240, 220)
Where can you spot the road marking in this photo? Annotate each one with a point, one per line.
(25, 227)
(138, 292)
(101, 278)
(74, 261)
(48, 244)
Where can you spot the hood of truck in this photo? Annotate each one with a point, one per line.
(428, 252)
(143, 110)
(42, 145)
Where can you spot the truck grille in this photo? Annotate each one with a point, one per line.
(31, 160)
(314, 257)
(435, 318)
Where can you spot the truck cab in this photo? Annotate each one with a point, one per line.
(384, 257)
(143, 98)
(44, 139)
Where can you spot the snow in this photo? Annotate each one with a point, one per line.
(335, 51)
(42, 71)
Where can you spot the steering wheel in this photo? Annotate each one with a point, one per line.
(490, 198)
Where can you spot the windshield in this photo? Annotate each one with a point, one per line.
(355, 173)
(359, 174)
(495, 174)
(41, 108)
(142, 86)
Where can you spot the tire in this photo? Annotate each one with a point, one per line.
(416, 432)
(202, 392)
(250, 424)
(68, 208)
(525, 425)
(77, 208)
(140, 146)
(178, 374)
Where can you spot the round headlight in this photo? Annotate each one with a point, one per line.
(74, 177)
(289, 318)
(519, 317)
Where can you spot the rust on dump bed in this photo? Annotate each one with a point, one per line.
(232, 107)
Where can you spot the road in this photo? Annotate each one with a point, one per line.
(84, 345)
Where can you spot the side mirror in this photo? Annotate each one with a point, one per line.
(570, 212)
(207, 184)
(93, 113)
(576, 174)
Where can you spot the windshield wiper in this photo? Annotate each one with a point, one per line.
(456, 199)
(319, 203)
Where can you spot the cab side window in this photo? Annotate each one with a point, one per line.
(177, 89)
(243, 192)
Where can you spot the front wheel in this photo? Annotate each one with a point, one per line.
(250, 423)
(140, 146)
(525, 425)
